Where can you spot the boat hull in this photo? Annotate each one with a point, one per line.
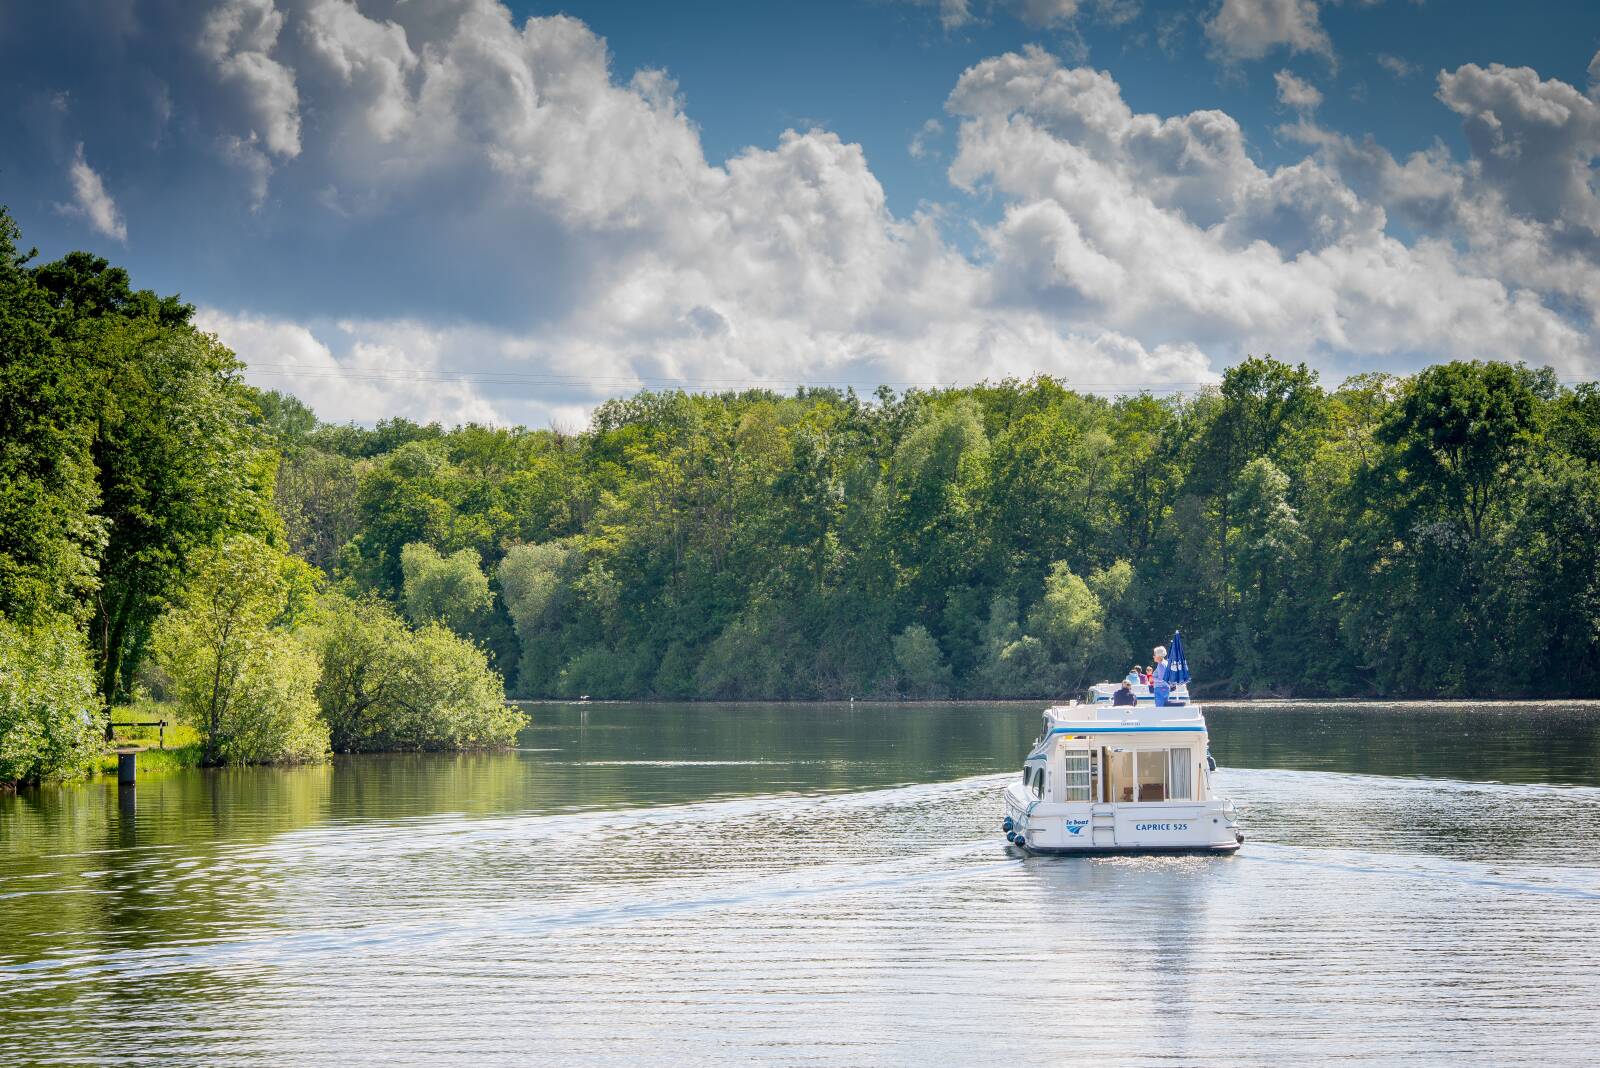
(1224, 849)
(1147, 827)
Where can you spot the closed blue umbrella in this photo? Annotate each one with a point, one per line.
(1175, 669)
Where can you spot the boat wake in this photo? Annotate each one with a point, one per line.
(462, 887)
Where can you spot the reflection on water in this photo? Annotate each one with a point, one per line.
(659, 884)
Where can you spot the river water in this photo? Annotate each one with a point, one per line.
(647, 885)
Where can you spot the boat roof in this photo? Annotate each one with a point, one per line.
(1100, 718)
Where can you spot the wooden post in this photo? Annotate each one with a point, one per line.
(127, 766)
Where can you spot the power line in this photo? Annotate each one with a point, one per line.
(602, 384)
(488, 377)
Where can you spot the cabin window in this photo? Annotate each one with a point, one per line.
(1152, 771)
(1075, 772)
(1121, 776)
(1179, 779)
(1038, 783)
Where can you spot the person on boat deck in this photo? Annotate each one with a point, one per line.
(1145, 676)
(1159, 685)
(1135, 676)
(1124, 694)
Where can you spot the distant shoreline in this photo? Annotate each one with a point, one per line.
(1464, 702)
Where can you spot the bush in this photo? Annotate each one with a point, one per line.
(596, 671)
(746, 662)
(247, 686)
(456, 700)
(923, 672)
(385, 687)
(271, 715)
(49, 707)
(674, 677)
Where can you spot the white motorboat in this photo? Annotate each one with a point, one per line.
(1106, 778)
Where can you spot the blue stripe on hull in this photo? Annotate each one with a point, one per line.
(1123, 730)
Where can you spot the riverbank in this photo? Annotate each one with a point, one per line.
(163, 750)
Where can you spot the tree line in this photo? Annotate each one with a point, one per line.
(1426, 535)
(141, 552)
(1423, 535)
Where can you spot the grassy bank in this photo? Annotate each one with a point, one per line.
(181, 741)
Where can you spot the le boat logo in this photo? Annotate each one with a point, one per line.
(1161, 826)
(1074, 826)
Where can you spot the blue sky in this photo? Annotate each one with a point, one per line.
(876, 71)
(458, 210)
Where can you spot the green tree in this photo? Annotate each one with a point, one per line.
(179, 466)
(315, 493)
(289, 422)
(49, 707)
(360, 643)
(1557, 612)
(1264, 549)
(405, 496)
(536, 585)
(171, 436)
(923, 672)
(936, 479)
(50, 536)
(1037, 494)
(1070, 622)
(1446, 490)
(989, 677)
(749, 544)
(451, 590)
(456, 701)
(1461, 434)
(236, 672)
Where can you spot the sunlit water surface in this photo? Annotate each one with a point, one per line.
(816, 884)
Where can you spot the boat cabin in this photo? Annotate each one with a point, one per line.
(1105, 776)
(1130, 759)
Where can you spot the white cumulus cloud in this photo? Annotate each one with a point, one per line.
(1197, 242)
(1250, 29)
(1536, 140)
(503, 228)
(921, 146)
(1396, 65)
(395, 367)
(238, 37)
(1296, 92)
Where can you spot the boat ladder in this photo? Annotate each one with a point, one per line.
(1103, 828)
